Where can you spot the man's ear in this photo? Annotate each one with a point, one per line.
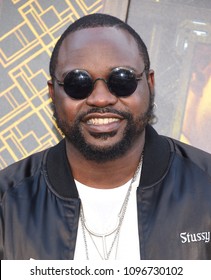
(151, 80)
(51, 89)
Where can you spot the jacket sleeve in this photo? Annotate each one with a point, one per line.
(10, 177)
(1, 234)
(4, 185)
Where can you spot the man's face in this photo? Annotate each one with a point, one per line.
(102, 126)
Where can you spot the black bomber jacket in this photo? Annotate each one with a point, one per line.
(39, 204)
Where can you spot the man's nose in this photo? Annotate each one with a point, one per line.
(101, 96)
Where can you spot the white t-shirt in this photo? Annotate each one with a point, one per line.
(101, 208)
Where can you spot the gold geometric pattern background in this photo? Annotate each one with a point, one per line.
(29, 30)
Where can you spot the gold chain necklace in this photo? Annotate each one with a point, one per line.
(85, 228)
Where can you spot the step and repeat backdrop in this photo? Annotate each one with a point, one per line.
(176, 32)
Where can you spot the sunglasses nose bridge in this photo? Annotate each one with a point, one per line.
(100, 79)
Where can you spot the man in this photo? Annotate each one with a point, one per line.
(112, 188)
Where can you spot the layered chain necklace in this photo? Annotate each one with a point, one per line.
(106, 252)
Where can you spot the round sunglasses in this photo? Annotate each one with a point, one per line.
(121, 82)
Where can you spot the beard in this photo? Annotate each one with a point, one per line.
(134, 128)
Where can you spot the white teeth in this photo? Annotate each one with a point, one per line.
(100, 121)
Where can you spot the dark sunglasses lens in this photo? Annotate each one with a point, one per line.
(78, 84)
(122, 82)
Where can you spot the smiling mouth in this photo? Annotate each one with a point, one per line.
(102, 121)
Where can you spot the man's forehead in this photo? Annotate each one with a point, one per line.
(104, 45)
(97, 35)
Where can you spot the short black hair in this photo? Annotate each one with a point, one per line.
(99, 20)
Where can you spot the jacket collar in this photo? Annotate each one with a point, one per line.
(156, 161)
(59, 172)
(157, 156)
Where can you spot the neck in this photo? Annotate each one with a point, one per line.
(106, 175)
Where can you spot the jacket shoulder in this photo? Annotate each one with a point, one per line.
(21, 170)
(197, 156)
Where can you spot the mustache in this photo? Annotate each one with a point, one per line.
(125, 115)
